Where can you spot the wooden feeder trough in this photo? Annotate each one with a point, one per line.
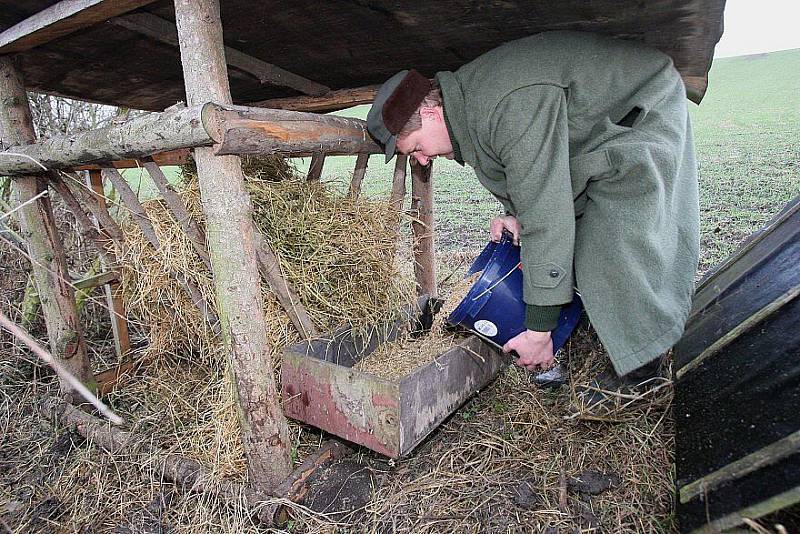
(321, 388)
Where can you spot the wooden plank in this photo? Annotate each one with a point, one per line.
(166, 32)
(332, 101)
(97, 280)
(424, 229)
(231, 243)
(61, 19)
(113, 289)
(354, 191)
(243, 130)
(315, 169)
(163, 159)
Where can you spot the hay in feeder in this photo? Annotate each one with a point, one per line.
(398, 358)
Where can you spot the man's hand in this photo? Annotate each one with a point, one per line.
(535, 350)
(509, 222)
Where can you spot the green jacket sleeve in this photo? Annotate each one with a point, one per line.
(528, 134)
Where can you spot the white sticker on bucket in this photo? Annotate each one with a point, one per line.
(487, 328)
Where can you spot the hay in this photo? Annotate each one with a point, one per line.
(398, 358)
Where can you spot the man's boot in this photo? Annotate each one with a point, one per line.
(602, 391)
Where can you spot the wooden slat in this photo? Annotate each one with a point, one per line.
(332, 101)
(315, 169)
(61, 19)
(96, 280)
(116, 306)
(423, 227)
(166, 32)
(163, 159)
(358, 176)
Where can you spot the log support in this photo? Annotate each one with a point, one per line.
(315, 169)
(423, 227)
(358, 176)
(41, 235)
(398, 189)
(113, 289)
(231, 243)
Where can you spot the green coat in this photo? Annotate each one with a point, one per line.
(587, 141)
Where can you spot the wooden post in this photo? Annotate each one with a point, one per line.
(423, 227)
(315, 169)
(358, 176)
(40, 233)
(229, 232)
(398, 190)
(116, 307)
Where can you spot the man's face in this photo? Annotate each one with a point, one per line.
(430, 141)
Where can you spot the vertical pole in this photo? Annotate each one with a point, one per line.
(39, 232)
(423, 227)
(229, 233)
(116, 307)
(398, 188)
(315, 168)
(358, 176)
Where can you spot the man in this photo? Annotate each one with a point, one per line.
(586, 142)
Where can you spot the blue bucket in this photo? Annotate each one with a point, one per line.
(494, 308)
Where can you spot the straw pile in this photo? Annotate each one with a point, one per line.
(398, 358)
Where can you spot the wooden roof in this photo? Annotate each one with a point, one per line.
(308, 47)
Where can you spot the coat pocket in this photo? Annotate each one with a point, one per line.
(585, 166)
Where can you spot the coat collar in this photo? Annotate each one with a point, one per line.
(456, 118)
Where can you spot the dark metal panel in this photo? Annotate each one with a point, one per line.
(772, 488)
(768, 271)
(741, 399)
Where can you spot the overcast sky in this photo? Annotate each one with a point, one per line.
(755, 26)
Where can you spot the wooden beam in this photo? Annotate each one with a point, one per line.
(243, 130)
(165, 31)
(423, 227)
(315, 168)
(49, 263)
(96, 280)
(163, 159)
(230, 236)
(399, 188)
(172, 129)
(358, 176)
(332, 101)
(61, 19)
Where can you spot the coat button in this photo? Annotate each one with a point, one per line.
(553, 274)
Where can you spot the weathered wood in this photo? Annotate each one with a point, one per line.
(62, 19)
(332, 101)
(163, 159)
(179, 213)
(399, 183)
(423, 228)
(164, 31)
(358, 176)
(113, 289)
(140, 217)
(242, 130)
(41, 235)
(100, 237)
(96, 280)
(231, 241)
(271, 271)
(315, 168)
(172, 129)
(108, 380)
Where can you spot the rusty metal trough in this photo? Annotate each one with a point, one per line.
(390, 417)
